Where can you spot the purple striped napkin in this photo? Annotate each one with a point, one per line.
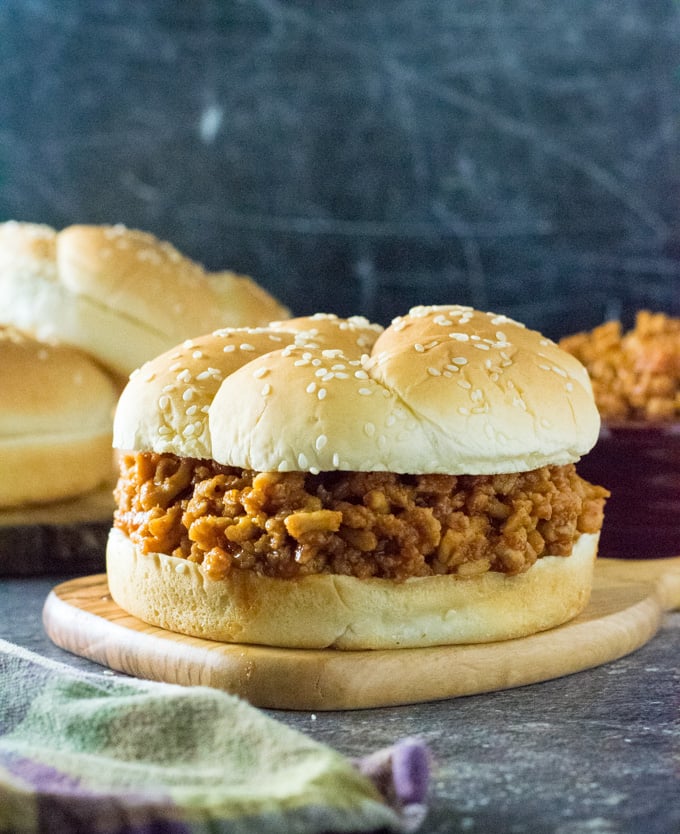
(91, 753)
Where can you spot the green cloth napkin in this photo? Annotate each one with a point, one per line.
(90, 753)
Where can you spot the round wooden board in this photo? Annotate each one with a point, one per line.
(628, 601)
(63, 538)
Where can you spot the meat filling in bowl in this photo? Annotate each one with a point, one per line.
(635, 375)
(364, 524)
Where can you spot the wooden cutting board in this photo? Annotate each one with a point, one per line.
(628, 601)
(62, 538)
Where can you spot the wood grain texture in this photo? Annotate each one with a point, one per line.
(625, 611)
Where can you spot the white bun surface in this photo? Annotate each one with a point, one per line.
(444, 389)
(344, 612)
(119, 294)
(55, 421)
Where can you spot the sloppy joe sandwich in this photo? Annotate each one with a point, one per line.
(119, 294)
(55, 421)
(323, 482)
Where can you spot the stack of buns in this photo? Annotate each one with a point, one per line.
(80, 309)
(55, 421)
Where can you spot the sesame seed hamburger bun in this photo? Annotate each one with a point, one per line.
(324, 482)
(119, 294)
(55, 421)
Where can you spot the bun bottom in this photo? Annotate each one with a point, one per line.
(343, 612)
(55, 468)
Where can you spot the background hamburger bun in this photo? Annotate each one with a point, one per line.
(55, 421)
(119, 294)
(443, 389)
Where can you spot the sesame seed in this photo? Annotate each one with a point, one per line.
(175, 366)
(197, 354)
(500, 336)
(451, 367)
(189, 430)
(569, 386)
(391, 420)
(419, 348)
(164, 430)
(321, 394)
(361, 374)
(480, 346)
(300, 363)
(336, 459)
(321, 441)
(477, 395)
(266, 389)
(434, 371)
(188, 395)
(283, 466)
(311, 388)
(246, 346)
(164, 402)
(184, 376)
(463, 383)
(303, 463)
(341, 375)
(365, 392)
(193, 409)
(459, 360)
(369, 429)
(260, 372)
(459, 337)
(229, 348)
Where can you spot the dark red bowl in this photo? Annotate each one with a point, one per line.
(640, 464)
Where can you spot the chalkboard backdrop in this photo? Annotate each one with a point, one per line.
(362, 157)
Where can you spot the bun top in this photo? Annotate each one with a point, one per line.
(50, 391)
(444, 389)
(120, 294)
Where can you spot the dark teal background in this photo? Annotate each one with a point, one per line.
(361, 157)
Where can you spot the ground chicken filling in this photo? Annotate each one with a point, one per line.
(364, 524)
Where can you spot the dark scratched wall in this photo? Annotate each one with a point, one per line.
(361, 157)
